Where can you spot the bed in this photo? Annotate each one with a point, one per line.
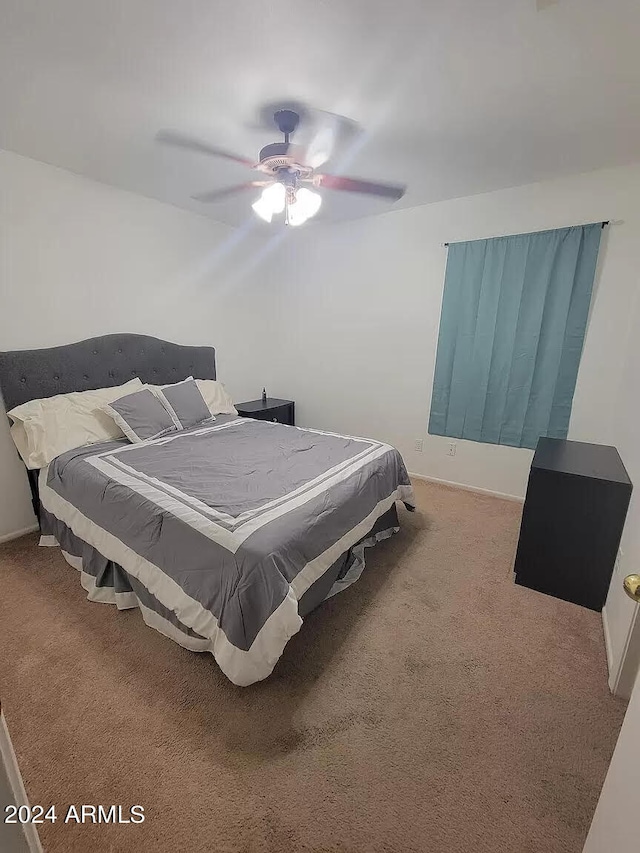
(224, 535)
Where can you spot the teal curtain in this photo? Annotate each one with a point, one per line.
(514, 313)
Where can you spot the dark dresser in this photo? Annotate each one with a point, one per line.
(576, 504)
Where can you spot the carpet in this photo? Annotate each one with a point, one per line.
(433, 706)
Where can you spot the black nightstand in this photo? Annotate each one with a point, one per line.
(278, 411)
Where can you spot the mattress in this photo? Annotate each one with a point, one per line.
(225, 534)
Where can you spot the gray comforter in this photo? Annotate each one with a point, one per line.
(217, 532)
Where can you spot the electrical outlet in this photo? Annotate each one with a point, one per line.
(451, 449)
(418, 445)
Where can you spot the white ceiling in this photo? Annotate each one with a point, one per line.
(455, 96)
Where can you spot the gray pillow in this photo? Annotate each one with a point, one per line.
(185, 403)
(142, 416)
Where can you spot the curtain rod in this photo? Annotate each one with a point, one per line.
(446, 245)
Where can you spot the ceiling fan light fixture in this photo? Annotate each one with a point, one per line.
(275, 196)
(263, 209)
(310, 201)
(271, 201)
(306, 205)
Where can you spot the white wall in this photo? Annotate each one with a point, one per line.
(342, 318)
(78, 258)
(357, 311)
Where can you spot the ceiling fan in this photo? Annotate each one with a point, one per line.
(290, 171)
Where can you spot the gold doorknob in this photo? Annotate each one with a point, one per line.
(631, 586)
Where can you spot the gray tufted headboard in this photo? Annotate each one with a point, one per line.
(99, 363)
(32, 374)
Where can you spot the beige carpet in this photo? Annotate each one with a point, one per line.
(434, 706)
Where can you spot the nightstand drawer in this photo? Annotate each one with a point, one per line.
(279, 415)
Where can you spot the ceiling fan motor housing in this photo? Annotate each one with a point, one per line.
(274, 156)
(280, 155)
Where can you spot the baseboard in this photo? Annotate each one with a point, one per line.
(466, 488)
(7, 537)
(608, 650)
(8, 757)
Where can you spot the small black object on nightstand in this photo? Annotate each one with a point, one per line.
(278, 411)
(574, 512)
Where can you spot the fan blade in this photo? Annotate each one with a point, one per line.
(217, 195)
(328, 132)
(320, 148)
(178, 140)
(355, 185)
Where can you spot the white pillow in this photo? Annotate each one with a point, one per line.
(43, 429)
(214, 393)
(216, 397)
